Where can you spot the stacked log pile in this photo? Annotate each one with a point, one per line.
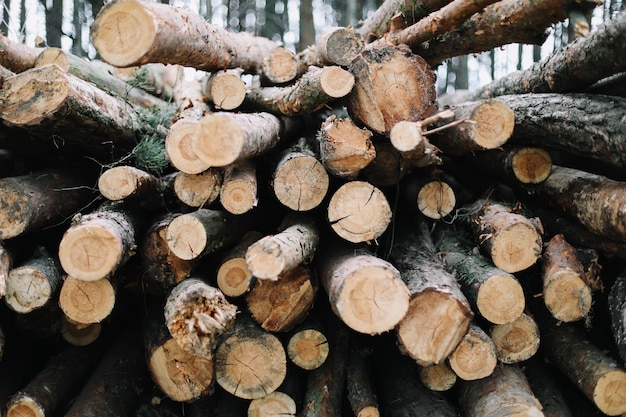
(328, 239)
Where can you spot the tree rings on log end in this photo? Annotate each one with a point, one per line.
(436, 199)
(531, 165)
(516, 247)
(273, 404)
(178, 146)
(494, 123)
(501, 299)
(308, 349)
(87, 302)
(25, 406)
(610, 393)
(567, 296)
(218, 140)
(516, 341)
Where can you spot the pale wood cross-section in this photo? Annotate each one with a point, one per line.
(87, 302)
(516, 341)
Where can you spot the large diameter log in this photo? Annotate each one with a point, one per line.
(617, 310)
(391, 85)
(130, 32)
(32, 202)
(197, 314)
(597, 375)
(516, 341)
(439, 315)
(475, 355)
(249, 361)
(98, 243)
(506, 392)
(88, 302)
(49, 101)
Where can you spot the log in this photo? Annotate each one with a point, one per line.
(597, 375)
(100, 75)
(475, 355)
(223, 138)
(439, 315)
(300, 181)
(249, 361)
(506, 392)
(34, 283)
(307, 346)
(57, 383)
(88, 302)
(99, 243)
(281, 65)
(238, 194)
(38, 200)
(493, 293)
(17, 56)
(512, 240)
(312, 91)
(617, 311)
(431, 197)
(278, 306)
(438, 377)
(516, 341)
(199, 190)
(334, 46)
(204, 231)
(233, 276)
(360, 384)
(358, 212)
(565, 290)
(294, 244)
(131, 32)
(135, 186)
(514, 164)
(366, 292)
(273, 404)
(391, 85)
(409, 138)
(4, 74)
(78, 334)
(345, 149)
(178, 147)
(6, 264)
(225, 89)
(196, 315)
(546, 384)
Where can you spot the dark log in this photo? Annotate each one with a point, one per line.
(360, 383)
(617, 310)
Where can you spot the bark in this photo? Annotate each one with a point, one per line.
(493, 293)
(475, 355)
(34, 283)
(617, 311)
(334, 46)
(388, 167)
(225, 89)
(199, 190)
(250, 362)
(238, 194)
(438, 377)
(133, 185)
(307, 346)
(360, 387)
(514, 164)
(565, 290)
(504, 393)
(312, 91)
(274, 255)
(512, 241)
(99, 243)
(366, 292)
(544, 382)
(433, 198)
(88, 302)
(516, 341)
(410, 140)
(597, 375)
(391, 85)
(38, 200)
(223, 138)
(4, 74)
(78, 334)
(280, 66)
(613, 85)
(345, 149)
(439, 315)
(594, 200)
(280, 305)
(197, 314)
(100, 75)
(17, 56)
(571, 68)
(131, 32)
(50, 102)
(489, 125)
(359, 212)
(202, 232)
(525, 23)
(300, 181)
(6, 264)
(233, 276)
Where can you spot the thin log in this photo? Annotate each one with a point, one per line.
(131, 32)
(516, 341)
(359, 212)
(410, 140)
(431, 197)
(78, 334)
(597, 375)
(345, 149)
(565, 290)
(475, 355)
(6, 264)
(225, 89)
(280, 66)
(133, 185)
(99, 243)
(278, 306)
(199, 190)
(307, 346)
(17, 56)
(249, 361)
(41, 199)
(233, 276)
(34, 283)
(196, 315)
(300, 181)
(512, 240)
(312, 91)
(439, 315)
(617, 311)
(388, 167)
(88, 302)
(506, 392)
(438, 377)
(238, 194)
(334, 46)
(514, 164)
(293, 245)
(360, 385)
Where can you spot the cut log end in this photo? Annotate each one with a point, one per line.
(342, 45)
(494, 123)
(610, 393)
(239, 195)
(87, 302)
(265, 259)
(567, 296)
(227, 91)
(438, 377)
(369, 411)
(516, 247)
(308, 349)
(273, 404)
(475, 356)
(186, 237)
(336, 82)
(516, 341)
(54, 56)
(234, 277)
(218, 140)
(198, 190)
(531, 165)
(406, 136)
(301, 183)
(436, 200)
(78, 334)
(501, 299)
(25, 406)
(120, 182)
(27, 289)
(179, 149)
(280, 65)
(125, 32)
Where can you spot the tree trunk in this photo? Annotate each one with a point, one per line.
(238, 194)
(179, 139)
(250, 362)
(132, 33)
(516, 341)
(6, 264)
(546, 386)
(439, 315)
(88, 302)
(504, 393)
(233, 276)
(196, 315)
(133, 185)
(433, 198)
(281, 66)
(410, 140)
(334, 46)
(438, 377)
(475, 355)
(388, 167)
(225, 89)
(517, 164)
(360, 384)
(199, 190)
(391, 85)
(17, 56)
(617, 310)
(273, 404)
